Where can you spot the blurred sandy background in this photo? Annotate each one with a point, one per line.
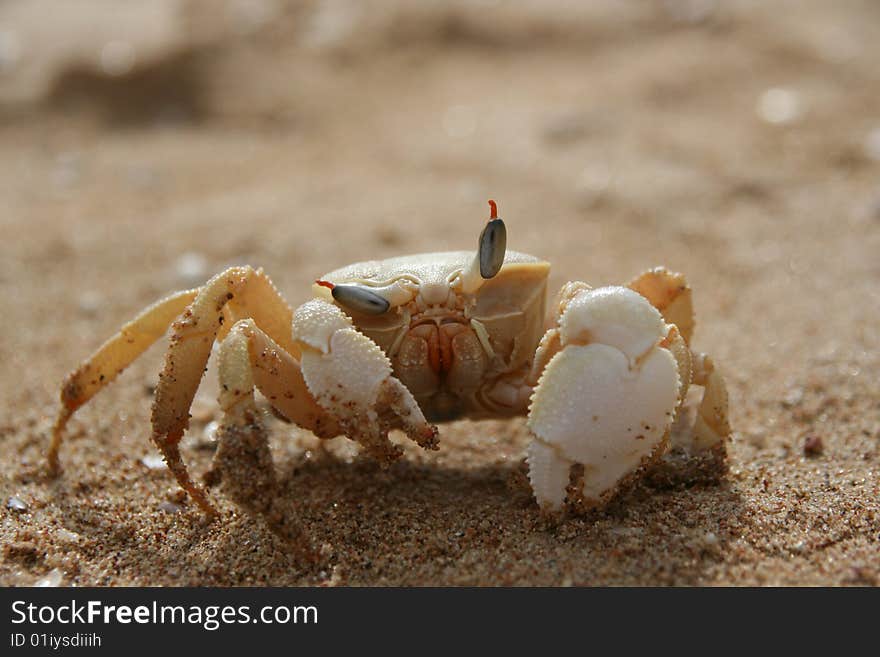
(144, 146)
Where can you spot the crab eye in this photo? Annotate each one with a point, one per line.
(493, 244)
(360, 299)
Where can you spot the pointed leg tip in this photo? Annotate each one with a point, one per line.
(429, 439)
(209, 511)
(53, 466)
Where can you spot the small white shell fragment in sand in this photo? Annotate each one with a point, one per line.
(206, 439)
(52, 579)
(153, 462)
(89, 302)
(779, 106)
(16, 504)
(118, 58)
(209, 433)
(67, 536)
(191, 268)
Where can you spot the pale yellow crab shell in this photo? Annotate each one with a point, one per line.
(509, 306)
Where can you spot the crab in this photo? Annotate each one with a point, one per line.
(402, 343)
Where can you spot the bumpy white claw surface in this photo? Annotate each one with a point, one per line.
(548, 474)
(315, 322)
(615, 316)
(350, 377)
(606, 399)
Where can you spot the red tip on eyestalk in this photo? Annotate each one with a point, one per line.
(326, 284)
(494, 208)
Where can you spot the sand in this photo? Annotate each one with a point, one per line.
(737, 143)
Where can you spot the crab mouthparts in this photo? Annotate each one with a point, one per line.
(439, 342)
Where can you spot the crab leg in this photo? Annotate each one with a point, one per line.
(233, 293)
(248, 358)
(111, 359)
(712, 426)
(671, 295)
(193, 334)
(364, 403)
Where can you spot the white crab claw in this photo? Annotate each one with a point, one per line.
(350, 377)
(315, 322)
(606, 399)
(614, 316)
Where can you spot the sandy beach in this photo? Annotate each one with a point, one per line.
(147, 147)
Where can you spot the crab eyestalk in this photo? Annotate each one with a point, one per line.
(358, 298)
(490, 253)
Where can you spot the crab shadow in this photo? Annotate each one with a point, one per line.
(417, 522)
(331, 521)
